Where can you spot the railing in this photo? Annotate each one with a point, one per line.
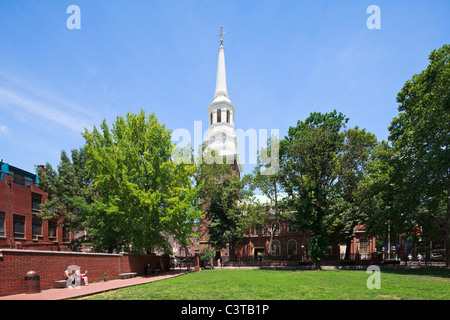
(20, 180)
(380, 258)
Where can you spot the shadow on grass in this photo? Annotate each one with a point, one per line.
(431, 272)
(423, 271)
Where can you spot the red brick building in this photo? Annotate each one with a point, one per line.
(288, 243)
(20, 227)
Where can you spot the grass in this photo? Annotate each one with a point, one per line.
(253, 284)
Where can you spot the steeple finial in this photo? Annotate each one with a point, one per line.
(221, 34)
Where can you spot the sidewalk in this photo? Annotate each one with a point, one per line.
(92, 288)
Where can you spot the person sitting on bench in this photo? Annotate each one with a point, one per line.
(69, 276)
(83, 276)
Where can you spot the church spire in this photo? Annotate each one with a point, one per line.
(221, 80)
(221, 136)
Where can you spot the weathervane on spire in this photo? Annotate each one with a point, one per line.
(221, 34)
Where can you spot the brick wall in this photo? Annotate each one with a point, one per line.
(50, 266)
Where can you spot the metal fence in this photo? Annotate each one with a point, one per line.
(380, 258)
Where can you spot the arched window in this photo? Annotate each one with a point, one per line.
(276, 248)
(219, 115)
(228, 116)
(292, 247)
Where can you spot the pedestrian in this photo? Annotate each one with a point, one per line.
(419, 258)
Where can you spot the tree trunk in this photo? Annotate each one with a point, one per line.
(348, 248)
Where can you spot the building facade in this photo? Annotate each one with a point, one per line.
(291, 244)
(20, 226)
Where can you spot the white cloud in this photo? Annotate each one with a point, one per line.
(43, 110)
(4, 129)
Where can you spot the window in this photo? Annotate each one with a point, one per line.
(52, 230)
(66, 235)
(292, 247)
(363, 246)
(19, 227)
(210, 118)
(228, 116)
(258, 229)
(219, 115)
(276, 248)
(18, 178)
(291, 228)
(36, 228)
(2, 224)
(276, 228)
(36, 200)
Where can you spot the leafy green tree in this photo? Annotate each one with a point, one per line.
(380, 198)
(69, 191)
(421, 135)
(207, 254)
(142, 196)
(266, 178)
(224, 213)
(357, 150)
(309, 167)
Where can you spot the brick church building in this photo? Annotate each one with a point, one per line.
(287, 243)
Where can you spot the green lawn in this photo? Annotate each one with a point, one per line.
(243, 284)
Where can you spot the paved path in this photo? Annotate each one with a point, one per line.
(92, 288)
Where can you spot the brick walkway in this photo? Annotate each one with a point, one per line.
(92, 288)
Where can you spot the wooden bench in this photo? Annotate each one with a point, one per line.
(60, 283)
(127, 275)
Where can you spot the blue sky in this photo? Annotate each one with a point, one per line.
(284, 60)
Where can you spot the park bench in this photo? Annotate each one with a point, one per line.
(63, 283)
(68, 283)
(127, 275)
(60, 283)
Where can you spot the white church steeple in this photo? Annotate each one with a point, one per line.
(221, 136)
(221, 79)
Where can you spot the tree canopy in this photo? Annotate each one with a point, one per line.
(420, 134)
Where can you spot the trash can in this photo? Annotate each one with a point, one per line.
(32, 282)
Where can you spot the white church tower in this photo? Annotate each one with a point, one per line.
(221, 136)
